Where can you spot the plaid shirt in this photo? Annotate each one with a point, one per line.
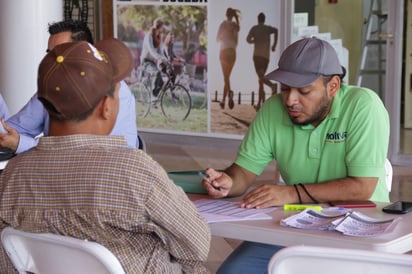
(93, 187)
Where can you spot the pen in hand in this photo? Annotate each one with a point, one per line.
(206, 178)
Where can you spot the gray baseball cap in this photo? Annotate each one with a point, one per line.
(304, 61)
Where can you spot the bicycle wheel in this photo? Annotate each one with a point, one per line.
(143, 100)
(176, 102)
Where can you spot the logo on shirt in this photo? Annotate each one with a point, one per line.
(336, 137)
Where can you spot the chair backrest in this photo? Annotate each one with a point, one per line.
(44, 253)
(326, 260)
(142, 143)
(3, 165)
(389, 174)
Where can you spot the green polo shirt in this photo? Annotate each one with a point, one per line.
(351, 141)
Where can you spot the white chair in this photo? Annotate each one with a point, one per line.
(389, 174)
(326, 260)
(45, 253)
(3, 165)
(142, 143)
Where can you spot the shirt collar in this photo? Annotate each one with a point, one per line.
(81, 140)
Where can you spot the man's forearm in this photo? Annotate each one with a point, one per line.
(241, 178)
(345, 189)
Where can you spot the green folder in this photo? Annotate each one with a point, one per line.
(189, 180)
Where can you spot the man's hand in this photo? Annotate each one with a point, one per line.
(10, 139)
(268, 195)
(219, 183)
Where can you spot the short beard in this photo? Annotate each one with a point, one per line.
(319, 115)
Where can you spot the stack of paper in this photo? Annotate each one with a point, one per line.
(350, 223)
(358, 224)
(227, 211)
(311, 219)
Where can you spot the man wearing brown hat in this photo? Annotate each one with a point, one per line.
(24, 127)
(329, 141)
(83, 183)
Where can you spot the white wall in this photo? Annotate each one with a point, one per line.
(23, 36)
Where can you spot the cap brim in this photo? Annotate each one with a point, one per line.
(119, 55)
(292, 79)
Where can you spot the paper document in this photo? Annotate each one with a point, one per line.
(226, 211)
(312, 219)
(358, 224)
(350, 223)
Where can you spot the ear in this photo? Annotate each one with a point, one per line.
(333, 85)
(106, 108)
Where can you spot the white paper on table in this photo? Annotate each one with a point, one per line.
(311, 219)
(350, 223)
(225, 211)
(358, 224)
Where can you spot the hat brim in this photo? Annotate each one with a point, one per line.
(291, 79)
(119, 55)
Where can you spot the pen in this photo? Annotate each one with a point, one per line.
(204, 177)
(207, 179)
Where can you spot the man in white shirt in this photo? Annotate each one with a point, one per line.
(33, 120)
(4, 110)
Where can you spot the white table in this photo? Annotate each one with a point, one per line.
(271, 232)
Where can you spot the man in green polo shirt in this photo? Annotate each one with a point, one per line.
(329, 140)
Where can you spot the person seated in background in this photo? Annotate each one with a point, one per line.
(329, 140)
(80, 182)
(32, 120)
(5, 153)
(4, 110)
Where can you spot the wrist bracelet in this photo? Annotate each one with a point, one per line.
(297, 192)
(307, 193)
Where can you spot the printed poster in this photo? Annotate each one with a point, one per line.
(197, 62)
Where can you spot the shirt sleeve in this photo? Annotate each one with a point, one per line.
(29, 122)
(4, 110)
(26, 143)
(257, 148)
(369, 136)
(126, 119)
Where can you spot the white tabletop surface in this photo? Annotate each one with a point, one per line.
(271, 232)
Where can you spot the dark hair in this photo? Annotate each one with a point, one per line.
(80, 31)
(158, 23)
(230, 12)
(327, 78)
(261, 17)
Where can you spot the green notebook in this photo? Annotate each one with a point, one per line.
(189, 180)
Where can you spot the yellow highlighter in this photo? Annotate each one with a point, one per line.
(300, 207)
